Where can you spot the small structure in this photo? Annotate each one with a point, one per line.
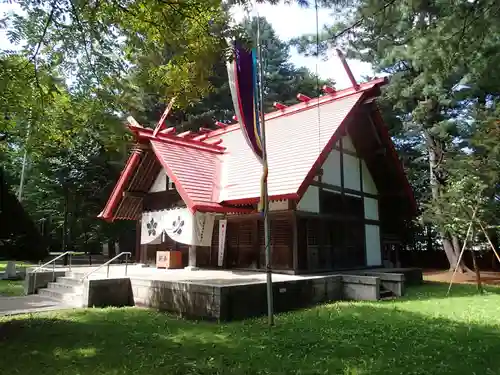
(10, 271)
(336, 189)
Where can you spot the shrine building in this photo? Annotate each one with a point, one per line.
(339, 197)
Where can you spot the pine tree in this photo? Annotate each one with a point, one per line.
(283, 81)
(442, 57)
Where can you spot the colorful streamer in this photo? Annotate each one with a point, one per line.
(244, 87)
(242, 73)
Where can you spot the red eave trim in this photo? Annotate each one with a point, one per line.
(217, 208)
(327, 149)
(313, 103)
(147, 134)
(252, 200)
(116, 195)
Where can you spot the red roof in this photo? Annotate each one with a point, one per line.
(195, 173)
(216, 170)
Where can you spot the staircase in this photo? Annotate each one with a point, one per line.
(386, 294)
(68, 289)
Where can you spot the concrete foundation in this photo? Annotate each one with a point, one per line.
(107, 292)
(222, 295)
(187, 299)
(33, 282)
(394, 282)
(233, 302)
(356, 287)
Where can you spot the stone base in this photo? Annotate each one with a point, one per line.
(12, 277)
(191, 268)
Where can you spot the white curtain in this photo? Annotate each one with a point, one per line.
(152, 226)
(180, 225)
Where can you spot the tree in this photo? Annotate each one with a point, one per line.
(75, 146)
(433, 90)
(173, 45)
(19, 237)
(473, 175)
(283, 81)
(82, 78)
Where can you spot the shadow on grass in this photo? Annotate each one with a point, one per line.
(438, 290)
(343, 338)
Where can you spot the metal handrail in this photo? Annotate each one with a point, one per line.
(53, 261)
(127, 253)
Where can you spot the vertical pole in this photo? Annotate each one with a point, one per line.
(461, 253)
(267, 239)
(65, 222)
(25, 159)
(126, 264)
(474, 262)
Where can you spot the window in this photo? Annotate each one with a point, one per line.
(170, 184)
(330, 202)
(354, 206)
(335, 204)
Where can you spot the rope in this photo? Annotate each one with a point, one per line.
(317, 75)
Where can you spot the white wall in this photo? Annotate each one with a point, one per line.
(372, 241)
(310, 200)
(278, 205)
(368, 184)
(356, 177)
(352, 177)
(347, 143)
(160, 183)
(371, 208)
(331, 169)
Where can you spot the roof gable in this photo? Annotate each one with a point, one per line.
(195, 172)
(295, 144)
(215, 170)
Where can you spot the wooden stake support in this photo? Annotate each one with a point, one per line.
(489, 241)
(463, 249)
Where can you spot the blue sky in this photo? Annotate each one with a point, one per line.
(289, 21)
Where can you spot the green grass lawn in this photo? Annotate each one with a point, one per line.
(423, 333)
(3, 265)
(11, 288)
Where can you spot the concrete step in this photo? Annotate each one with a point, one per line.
(71, 299)
(69, 280)
(66, 288)
(75, 275)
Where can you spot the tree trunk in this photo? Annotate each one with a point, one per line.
(429, 244)
(450, 253)
(436, 155)
(65, 224)
(111, 248)
(476, 270)
(492, 234)
(457, 250)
